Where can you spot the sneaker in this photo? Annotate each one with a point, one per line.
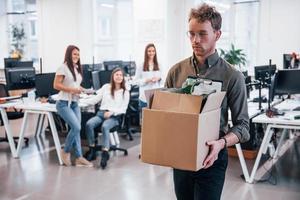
(82, 162)
(90, 154)
(65, 157)
(104, 159)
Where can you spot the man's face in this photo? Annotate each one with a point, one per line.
(203, 37)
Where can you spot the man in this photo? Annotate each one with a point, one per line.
(204, 31)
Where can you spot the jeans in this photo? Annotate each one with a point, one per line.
(204, 184)
(72, 116)
(96, 121)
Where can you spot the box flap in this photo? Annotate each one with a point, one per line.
(175, 102)
(149, 96)
(213, 101)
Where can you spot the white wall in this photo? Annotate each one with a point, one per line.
(71, 22)
(4, 40)
(279, 30)
(62, 23)
(150, 27)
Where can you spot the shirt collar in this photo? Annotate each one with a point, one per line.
(210, 60)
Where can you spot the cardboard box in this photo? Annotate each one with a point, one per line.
(174, 133)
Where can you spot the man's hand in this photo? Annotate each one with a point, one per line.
(215, 147)
(108, 114)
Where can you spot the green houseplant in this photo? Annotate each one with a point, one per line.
(234, 56)
(18, 37)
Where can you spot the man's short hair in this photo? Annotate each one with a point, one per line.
(205, 12)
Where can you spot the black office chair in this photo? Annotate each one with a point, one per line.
(114, 139)
(11, 115)
(133, 112)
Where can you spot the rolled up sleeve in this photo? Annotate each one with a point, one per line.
(237, 102)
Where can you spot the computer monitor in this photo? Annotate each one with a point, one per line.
(44, 84)
(87, 75)
(129, 67)
(286, 82)
(10, 62)
(104, 77)
(96, 80)
(264, 73)
(287, 61)
(20, 78)
(97, 67)
(13, 62)
(111, 65)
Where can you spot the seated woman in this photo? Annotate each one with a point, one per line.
(114, 99)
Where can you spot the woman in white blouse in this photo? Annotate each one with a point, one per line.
(114, 98)
(148, 76)
(67, 80)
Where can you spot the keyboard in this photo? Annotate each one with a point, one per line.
(297, 108)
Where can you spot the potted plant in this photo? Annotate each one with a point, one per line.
(234, 56)
(18, 36)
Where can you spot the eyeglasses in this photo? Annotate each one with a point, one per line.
(192, 34)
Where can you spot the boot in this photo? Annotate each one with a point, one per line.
(90, 154)
(104, 159)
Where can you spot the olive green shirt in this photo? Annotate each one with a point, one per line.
(216, 68)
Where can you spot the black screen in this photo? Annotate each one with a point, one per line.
(287, 61)
(104, 77)
(13, 62)
(264, 73)
(111, 65)
(20, 78)
(129, 67)
(44, 84)
(87, 75)
(287, 82)
(96, 80)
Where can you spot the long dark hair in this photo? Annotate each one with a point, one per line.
(68, 61)
(113, 84)
(146, 58)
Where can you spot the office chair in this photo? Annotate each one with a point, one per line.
(114, 139)
(10, 115)
(133, 113)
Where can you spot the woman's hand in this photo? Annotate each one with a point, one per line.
(75, 90)
(155, 79)
(108, 114)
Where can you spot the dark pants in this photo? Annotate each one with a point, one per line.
(206, 184)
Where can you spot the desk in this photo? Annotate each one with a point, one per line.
(44, 109)
(7, 126)
(285, 122)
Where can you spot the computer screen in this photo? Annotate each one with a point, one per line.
(96, 80)
(104, 77)
(10, 62)
(13, 62)
(87, 75)
(264, 73)
(287, 82)
(287, 61)
(44, 84)
(97, 67)
(20, 78)
(129, 67)
(111, 65)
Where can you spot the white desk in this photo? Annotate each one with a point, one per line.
(44, 109)
(7, 126)
(285, 122)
